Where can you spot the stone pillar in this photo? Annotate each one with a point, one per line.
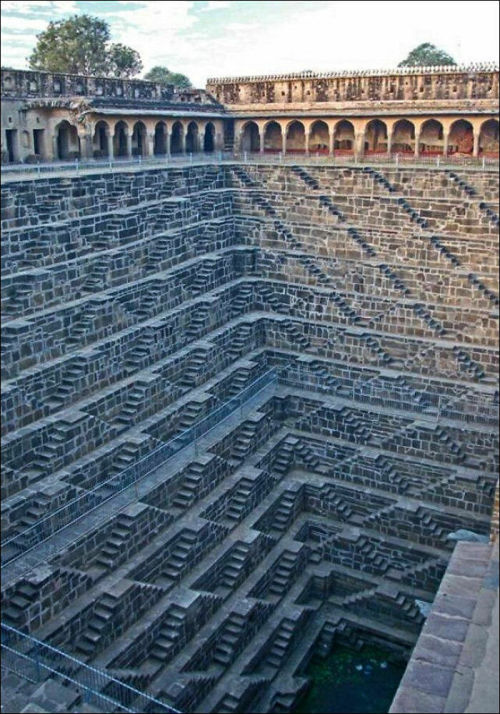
(283, 143)
(167, 142)
(475, 150)
(183, 142)
(359, 144)
(149, 144)
(86, 151)
(128, 136)
(445, 142)
(109, 140)
(306, 134)
(389, 142)
(54, 156)
(417, 144)
(219, 141)
(261, 140)
(332, 142)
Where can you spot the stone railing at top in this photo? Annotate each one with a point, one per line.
(445, 69)
(32, 84)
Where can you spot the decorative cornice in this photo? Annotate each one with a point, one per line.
(446, 69)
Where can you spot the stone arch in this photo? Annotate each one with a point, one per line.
(273, 138)
(209, 138)
(100, 139)
(488, 138)
(139, 139)
(176, 138)
(160, 139)
(344, 137)
(375, 137)
(67, 141)
(250, 137)
(431, 138)
(403, 137)
(295, 138)
(192, 138)
(319, 137)
(461, 137)
(120, 144)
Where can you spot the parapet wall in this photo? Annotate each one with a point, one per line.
(31, 84)
(402, 85)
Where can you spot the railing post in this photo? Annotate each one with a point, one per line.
(37, 660)
(437, 161)
(190, 158)
(77, 166)
(484, 162)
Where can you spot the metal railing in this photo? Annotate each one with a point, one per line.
(37, 661)
(68, 514)
(117, 164)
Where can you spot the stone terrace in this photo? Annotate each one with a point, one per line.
(134, 304)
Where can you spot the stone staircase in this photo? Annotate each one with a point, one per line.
(229, 638)
(192, 374)
(170, 634)
(102, 621)
(234, 567)
(244, 440)
(113, 548)
(284, 575)
(189, 491)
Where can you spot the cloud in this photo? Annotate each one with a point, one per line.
(14, 23)
(249, 38)
(215, 5)
(39, 6)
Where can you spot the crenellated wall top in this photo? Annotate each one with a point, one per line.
(485, 67)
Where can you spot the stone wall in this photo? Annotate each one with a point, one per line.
(135, 305)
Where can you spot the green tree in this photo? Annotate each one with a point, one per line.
(162, 75)
(123, 61)
(427, 55)
(80, 45)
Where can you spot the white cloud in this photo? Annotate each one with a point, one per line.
(268, 37)
(18, 24)
(36, 6)
(215, 5)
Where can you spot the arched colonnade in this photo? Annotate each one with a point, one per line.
(362, 137)
(110, 138)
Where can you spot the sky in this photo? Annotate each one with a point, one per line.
(237, 38)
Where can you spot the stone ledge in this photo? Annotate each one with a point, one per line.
(454, 666)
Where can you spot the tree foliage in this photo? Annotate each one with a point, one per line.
(80, 45)
(123, 61)
(162, 75)
(427, 55)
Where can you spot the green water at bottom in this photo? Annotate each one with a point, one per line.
(351, 682)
